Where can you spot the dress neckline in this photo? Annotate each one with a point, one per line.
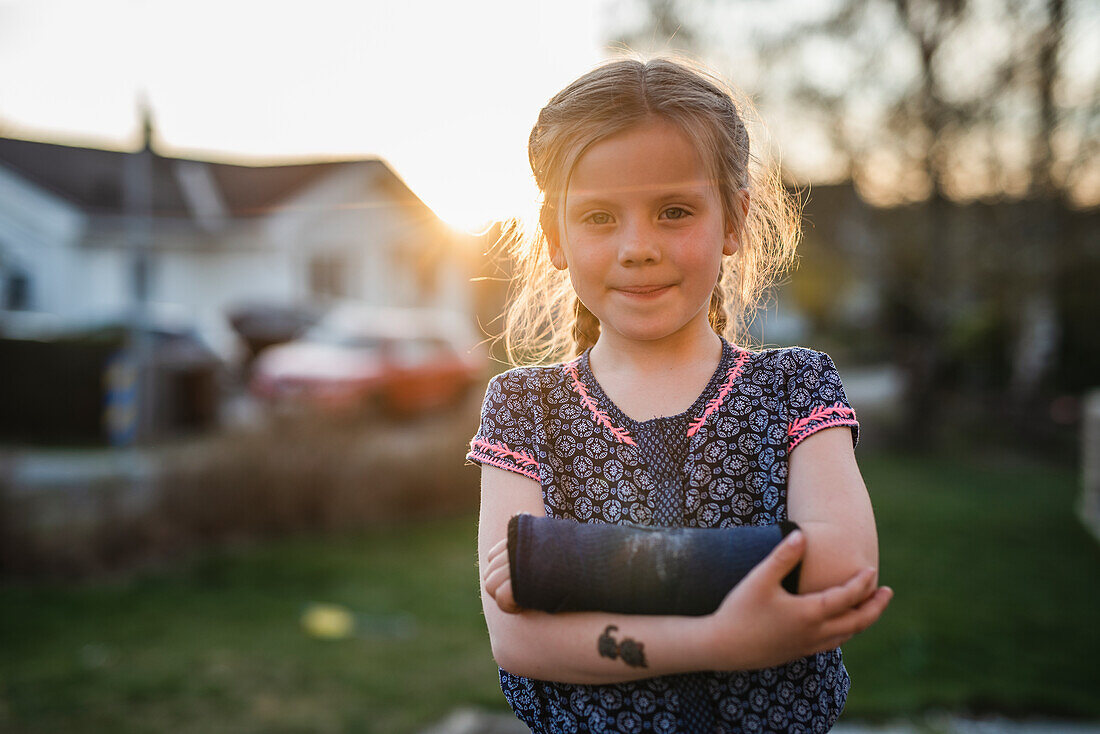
(725, 362)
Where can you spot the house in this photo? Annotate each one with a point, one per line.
(87, 232)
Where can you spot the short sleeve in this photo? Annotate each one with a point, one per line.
(506, 437)
(816, 399)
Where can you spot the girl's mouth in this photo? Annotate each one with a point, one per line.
(643, 291)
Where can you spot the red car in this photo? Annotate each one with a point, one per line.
(401, 361)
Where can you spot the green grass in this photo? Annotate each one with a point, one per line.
(996, 609)
(218, 646)
(997, 592)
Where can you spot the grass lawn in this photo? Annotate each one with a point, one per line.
(996, 609)
(218, 646)
(997, 591)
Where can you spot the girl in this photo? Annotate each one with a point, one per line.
(658, 232)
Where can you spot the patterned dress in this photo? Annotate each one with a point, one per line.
(721, 463)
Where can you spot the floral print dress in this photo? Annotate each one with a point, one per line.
(721, 463)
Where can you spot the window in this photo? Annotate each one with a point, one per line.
(17, 291)
(328, 275)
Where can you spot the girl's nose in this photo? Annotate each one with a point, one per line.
(638, 246)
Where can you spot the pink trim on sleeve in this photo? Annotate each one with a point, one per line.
(716, 402)
(823, 416)
(499, 455)
(601, 417)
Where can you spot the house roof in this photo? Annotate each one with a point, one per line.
(94, 179)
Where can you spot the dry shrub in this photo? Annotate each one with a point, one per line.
(292, 474)
(308, 473)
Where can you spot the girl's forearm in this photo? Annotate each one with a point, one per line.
(597, 648)
(759, 624)
(566, 647)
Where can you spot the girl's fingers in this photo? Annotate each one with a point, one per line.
(838, 599)
(497, 550)
(495, 559)
(869, 590)
(876, 605)
(859, 618)
(784, 557)
(490, 584)
(499, 547)
(495, 578)
(496, 562)
(499, 586)
(505, 600)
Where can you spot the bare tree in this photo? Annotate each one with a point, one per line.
(946, 101)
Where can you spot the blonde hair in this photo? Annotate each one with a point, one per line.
(544, 321)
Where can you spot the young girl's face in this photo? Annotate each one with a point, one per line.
(643, 232)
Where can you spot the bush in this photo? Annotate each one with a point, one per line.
(294, 474)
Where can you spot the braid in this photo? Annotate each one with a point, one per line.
(716, 313)
(586, 327)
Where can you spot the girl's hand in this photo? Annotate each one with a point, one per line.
(760, 624)
(497, 578)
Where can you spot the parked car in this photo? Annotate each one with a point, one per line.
(400, 361)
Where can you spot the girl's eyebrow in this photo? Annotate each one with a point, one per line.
(599, 198)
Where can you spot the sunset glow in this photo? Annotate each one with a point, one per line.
(445, 93)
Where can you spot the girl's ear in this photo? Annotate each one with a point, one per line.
(553, 242)
(553, 245)
(735, 228)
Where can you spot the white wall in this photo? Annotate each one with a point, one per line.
(77, 271)
(38, 233)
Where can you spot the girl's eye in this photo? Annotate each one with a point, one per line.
(675, 212)
(598, 218)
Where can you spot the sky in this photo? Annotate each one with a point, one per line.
(445, 92)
